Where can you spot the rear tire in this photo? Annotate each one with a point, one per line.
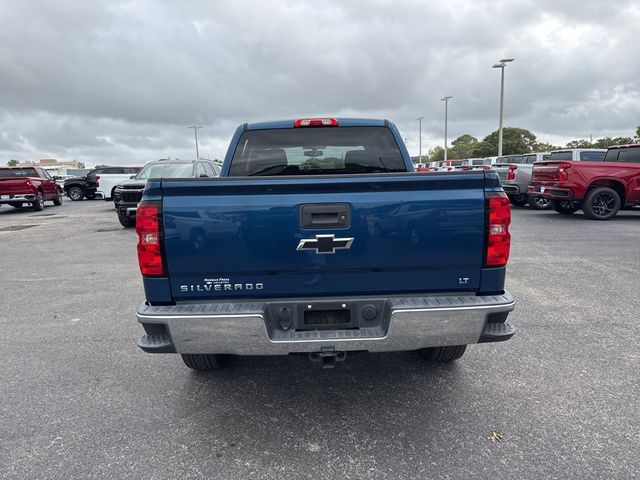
(443, 354)
(38, 203)
(601, 203)
(203, 362)
(539, 203)
(126, 222)
(75, 194)
(58, 200)
(564, 207)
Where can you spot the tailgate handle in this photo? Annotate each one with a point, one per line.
(329, 215)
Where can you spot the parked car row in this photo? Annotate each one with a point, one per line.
(598, 181)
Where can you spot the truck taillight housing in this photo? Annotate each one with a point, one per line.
(563, 175)
(511, 174)
(148, 219)
(498, 238)
(97, 180)
(315, 122)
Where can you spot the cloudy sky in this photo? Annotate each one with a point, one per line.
(118, 82)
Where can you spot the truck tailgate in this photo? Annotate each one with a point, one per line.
(547, 171)
(14, 186)
(404, 233)
(502, 170)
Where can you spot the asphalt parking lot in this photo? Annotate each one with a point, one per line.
(80, 400)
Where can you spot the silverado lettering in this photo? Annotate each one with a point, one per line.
(218, 287)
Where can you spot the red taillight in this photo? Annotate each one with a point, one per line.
(149, 239)
(316, 122)
(97, 180)
(511, 175)
(563, 176)
(498, 237)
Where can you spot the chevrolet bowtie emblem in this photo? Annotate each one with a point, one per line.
(325, 243)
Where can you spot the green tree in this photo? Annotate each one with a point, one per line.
(582, 143)
(545, 147)
(80, 164)
(606, 142)
(603, 142)
(436, 154)
(514, 140)
(463, 147)
(12, 163)
(637, 139)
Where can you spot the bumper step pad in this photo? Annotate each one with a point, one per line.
(497, 332)
(156, 344)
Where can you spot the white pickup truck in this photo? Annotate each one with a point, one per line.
(111, 177)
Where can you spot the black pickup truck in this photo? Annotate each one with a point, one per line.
(128, 194)
(77, 188)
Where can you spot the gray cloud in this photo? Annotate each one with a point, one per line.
(119, 81)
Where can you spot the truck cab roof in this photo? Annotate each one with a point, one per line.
(580, 150)
(629, 145)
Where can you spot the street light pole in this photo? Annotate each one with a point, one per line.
(195, 133)
(501, 65)
(420, 140)
(446, 121)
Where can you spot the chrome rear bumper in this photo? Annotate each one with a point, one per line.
(22, 197)
(511, 188)
(242, 328)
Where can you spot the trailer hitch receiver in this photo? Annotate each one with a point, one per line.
(327, 356)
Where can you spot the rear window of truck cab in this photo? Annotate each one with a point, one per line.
(592, 156)
(316, 151)
(17, 172)
(511, 159)
(166, 169)
(561, 155)
(627, 155)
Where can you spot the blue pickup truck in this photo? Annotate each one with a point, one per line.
(318, 238)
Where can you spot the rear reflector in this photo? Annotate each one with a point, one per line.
(148, 217)
(316, 122)
(498, 237)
